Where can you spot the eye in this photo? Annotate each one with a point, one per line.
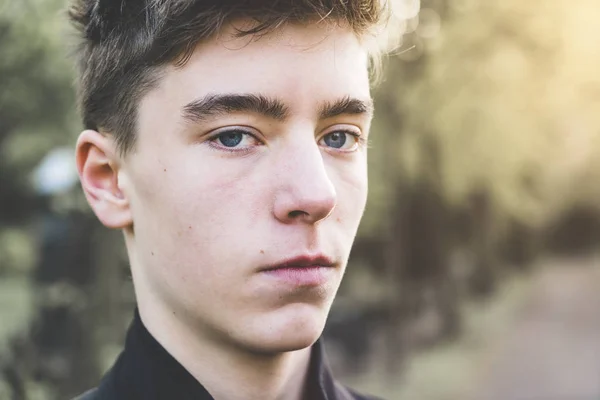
(341, 140)
(230, 139)
(234, 140)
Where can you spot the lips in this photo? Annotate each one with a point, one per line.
(302, 262)
(303, 272)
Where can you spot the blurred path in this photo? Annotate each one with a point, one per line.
(553, 351)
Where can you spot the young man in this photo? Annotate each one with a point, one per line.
(226, 139)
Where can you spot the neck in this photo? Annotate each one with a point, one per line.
(228, 371)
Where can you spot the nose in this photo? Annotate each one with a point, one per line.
(305, 192)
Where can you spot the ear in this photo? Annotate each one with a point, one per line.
(98, 165)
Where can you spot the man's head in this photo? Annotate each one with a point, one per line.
(227, 140)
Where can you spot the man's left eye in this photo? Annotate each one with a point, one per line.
(340, 140)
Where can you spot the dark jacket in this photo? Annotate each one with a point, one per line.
(146, 371)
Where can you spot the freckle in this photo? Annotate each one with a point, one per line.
(165, 170)
(152, 253)
(262, 252)
(190, 227)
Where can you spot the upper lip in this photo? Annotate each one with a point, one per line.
(303, 261)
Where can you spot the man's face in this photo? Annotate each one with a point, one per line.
(251, 155)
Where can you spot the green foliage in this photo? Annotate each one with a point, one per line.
(510, 93)
(36, 99)
(36, 114)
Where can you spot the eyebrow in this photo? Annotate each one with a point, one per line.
(346, 105)
(214, 105)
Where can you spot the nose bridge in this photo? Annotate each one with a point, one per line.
(307, 163)
(305, 188)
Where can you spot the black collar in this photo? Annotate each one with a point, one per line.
(146, 371)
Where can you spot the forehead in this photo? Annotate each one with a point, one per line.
(297, 61)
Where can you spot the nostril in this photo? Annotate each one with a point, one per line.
(296, 213)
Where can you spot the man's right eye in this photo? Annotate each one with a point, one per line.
(230, 139)
(234, 140)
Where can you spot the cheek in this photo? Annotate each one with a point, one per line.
(222, 198)
(192, 184)
(351, 189)
(195, 224)
(204, 207)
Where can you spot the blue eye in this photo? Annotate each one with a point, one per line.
(234, 140)
(342, 140)
(231, 138)
(335, 140)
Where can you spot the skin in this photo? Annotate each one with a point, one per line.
(202, 218)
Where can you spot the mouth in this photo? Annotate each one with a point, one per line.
(302, 271)
(302, 262)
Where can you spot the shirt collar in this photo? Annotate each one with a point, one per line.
(145, 370)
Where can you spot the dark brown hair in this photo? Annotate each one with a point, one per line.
(126, 42)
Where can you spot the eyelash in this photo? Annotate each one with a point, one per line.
(213, 139)
(360, 140)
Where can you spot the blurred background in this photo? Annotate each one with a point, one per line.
(476, 271)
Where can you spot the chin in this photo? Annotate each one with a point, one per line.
(294, 327)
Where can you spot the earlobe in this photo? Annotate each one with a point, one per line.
(99, 171)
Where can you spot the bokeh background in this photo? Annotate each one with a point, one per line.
(476, 271)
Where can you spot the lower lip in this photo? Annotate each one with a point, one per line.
(305, 276)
